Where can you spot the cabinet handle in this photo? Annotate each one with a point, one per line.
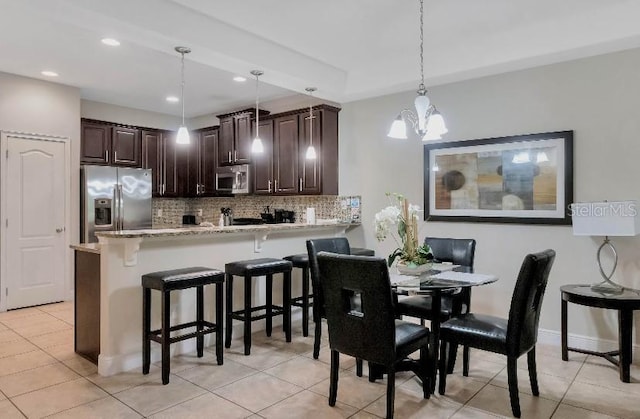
(115, 156)
(235, 155)
(275, 185)
(229, 156)
(269, 186)
(300, 182)
(106, 155)
(164, 188)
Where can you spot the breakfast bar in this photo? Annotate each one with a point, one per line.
(127, 255)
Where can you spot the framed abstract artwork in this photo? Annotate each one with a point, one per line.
(524, 179)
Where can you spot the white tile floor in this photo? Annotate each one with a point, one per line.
(41, 376)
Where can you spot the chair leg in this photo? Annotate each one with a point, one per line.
(200, 320)
(391, 390)
(465, 361)
(333, 385)
(451, 358)
(425, 374)
(512, 378)
(286, 303)
(166, 315)
(443, 367)
(247, 314)
(359, 367)
(316, 339)
(533, 374)
(305, 302)
(219, 350)
(229, 306)
(269, 319)
(146, 328)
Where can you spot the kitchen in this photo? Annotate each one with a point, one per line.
(369, 164)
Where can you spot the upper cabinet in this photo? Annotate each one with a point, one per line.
(109, 144)
(167, 161)
(234, 143)
(201, 161)
(283, 168)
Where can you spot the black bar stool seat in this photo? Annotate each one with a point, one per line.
(249, 269)
(172, 280)
(301, 261)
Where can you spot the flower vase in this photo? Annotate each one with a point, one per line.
(413, 269)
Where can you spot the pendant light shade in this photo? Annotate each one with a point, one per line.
(183, 133)
(311, 150)
(256, 145)
(426, 120)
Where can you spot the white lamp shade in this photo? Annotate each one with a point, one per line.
(398, 129)
(311, 153)
(436, 124)
(256, 146)
(615, 218)
(422, 103)
(183, 136)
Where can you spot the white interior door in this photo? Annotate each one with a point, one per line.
(34, 221)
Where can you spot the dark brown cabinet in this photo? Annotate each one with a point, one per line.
(234, 144)
(168, 162)
(283, 168)
(109, 144)
(202, 163)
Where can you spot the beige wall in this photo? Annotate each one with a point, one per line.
(39, 107)
(129, 116)
(598, 98)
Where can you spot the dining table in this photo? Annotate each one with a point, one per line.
(441, 279)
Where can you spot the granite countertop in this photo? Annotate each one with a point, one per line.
(87, 247)
(199, 231)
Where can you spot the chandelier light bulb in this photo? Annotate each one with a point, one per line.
(183, 136)
(398, 129)
(436, 124)
(257, 146)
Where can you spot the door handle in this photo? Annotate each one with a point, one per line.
(59, 229)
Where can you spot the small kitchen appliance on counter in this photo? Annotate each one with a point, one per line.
(284, 216)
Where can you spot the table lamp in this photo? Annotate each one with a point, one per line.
(608, 219)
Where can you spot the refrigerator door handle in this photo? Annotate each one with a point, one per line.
(120, 209)
(115, 208)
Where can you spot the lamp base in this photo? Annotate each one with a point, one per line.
(607, 287)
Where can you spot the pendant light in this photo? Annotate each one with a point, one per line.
(426, 121)
(183, 132)
(311, 151)
(256, 146)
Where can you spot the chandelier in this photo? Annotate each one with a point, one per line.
(426, 121)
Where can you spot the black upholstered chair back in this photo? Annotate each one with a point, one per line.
(456, 251)
(526, 302)
(359, 306)
(334, 245)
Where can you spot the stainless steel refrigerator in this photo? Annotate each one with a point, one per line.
(112, 199)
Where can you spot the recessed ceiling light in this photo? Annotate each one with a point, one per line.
(49, 73)
(239, 79)
(173, 99)
(111, 42)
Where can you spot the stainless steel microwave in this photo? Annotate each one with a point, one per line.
(233, 179)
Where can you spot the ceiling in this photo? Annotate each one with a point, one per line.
(349, 49)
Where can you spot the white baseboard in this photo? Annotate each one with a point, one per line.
(552, 337)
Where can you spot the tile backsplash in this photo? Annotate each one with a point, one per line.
(342, 208)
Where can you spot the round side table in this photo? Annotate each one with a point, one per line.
(625, 303)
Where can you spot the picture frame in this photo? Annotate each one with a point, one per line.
(526, 179)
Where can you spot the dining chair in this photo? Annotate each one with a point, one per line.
(512, 337)
(362, 322)
(458, 252)
(338, 245)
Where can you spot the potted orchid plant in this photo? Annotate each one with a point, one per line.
(402, 217)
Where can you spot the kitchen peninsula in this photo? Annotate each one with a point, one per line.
(126, 255)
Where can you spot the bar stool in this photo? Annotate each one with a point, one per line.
(301, 261)
(248, 269)
(178, 279)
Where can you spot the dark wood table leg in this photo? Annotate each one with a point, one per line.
(563, 329)
(625, 326)
(436, 301)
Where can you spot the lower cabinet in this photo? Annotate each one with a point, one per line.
(87, 305)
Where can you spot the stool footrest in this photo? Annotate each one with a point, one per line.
(239, 314)
(156, 335)
(298, 301)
